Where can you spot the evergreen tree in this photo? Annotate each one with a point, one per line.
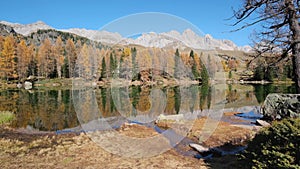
(289, 71)
(177, 99)
(71, 57)
(103, 97)
(176, 65)
(194, 66)
(259, 73)
(135, 96)
(66, 68)
(134, 64)
(276, 146)
(112, 66)
(204, 92)
(32, 66)
(230, 74)
(122, 65)
(270, 74)
(204, 74)
(103, 69)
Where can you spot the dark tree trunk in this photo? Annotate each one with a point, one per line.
(296, 53)
(295, 28)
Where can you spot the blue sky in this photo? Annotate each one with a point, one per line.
(209, 16)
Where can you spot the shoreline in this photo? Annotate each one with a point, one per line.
(68, 82)
(19, 147)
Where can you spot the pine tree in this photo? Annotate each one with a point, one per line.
(270, 74)
(103, 69)
(176, 65)
(112, 65)
(32, 66)
(121, 69)
(230, 74)
(177, 99)
(259, 72)
(134, 64)
(204, 75)
(194, 65)
(66, 68)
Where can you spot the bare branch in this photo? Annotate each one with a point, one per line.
(250, 24)
(243, 17)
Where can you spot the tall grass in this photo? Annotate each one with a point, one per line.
(6, 117)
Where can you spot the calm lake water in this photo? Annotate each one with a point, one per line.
(51, 110)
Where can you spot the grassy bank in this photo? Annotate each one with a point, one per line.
(6, 117)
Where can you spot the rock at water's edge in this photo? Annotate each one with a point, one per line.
(199, 148)
(262, 123)
(278, 106)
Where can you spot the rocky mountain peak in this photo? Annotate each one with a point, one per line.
(27, 29)
(171, 39)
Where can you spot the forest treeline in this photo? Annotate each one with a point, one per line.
(68, 58)
(271, 72)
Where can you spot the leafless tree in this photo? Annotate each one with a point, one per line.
(280, 27)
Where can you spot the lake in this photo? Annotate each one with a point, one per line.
(54, 109)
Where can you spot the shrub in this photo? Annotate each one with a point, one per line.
(276, 146)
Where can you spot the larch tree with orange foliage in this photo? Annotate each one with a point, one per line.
(58, 51)
(46, 61)
(71, 57)
(24, 56)
(8, 58)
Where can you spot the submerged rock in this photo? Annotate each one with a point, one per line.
(279, 106)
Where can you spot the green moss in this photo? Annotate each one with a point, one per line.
(6, 117)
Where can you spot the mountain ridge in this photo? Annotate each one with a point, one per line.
(172, 38)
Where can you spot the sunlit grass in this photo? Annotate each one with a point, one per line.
(6, 117)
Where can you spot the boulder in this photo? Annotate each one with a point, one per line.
(27, 85)
(199, 148)
(262, 123)
(279, 106)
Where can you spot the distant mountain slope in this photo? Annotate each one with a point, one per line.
(100, 36)
(172, 39)
(38, 34)
(188, 38)
(6, 30)
(27, 29)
